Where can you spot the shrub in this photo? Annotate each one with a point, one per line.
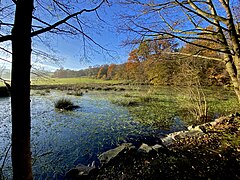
(64, 104)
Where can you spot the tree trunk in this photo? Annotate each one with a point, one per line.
(20, 90)
(232, 71)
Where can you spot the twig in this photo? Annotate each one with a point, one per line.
(4, 160)
(4, 80)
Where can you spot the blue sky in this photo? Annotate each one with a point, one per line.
(70, 50)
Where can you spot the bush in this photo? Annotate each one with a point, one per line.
(65, 104)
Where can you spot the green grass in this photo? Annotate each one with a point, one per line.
(158, 107)
(62, 81)
(1, 84)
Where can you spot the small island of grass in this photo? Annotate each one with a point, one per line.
(65, 104)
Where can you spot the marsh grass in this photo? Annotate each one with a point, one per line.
(125, 101)
(75, 93)
(42, 92)
(63, 104)
(220, 102)
(160, 106)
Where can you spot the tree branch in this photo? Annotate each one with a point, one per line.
(6, 38)
(5, 60)
(64, 20)
(194, 55)
(5, 50)
(171, 35)
(203, 13)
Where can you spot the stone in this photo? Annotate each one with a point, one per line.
(105, 157)
(166, 141)
(158, 147)
(145, 148)
(197, 130)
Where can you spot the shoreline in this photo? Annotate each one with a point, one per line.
(210, 150)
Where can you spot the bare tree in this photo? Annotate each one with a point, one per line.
(214, 22)
(21, 21)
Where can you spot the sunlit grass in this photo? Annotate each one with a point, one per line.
(2, 84)
(160, 106)
(62, 81)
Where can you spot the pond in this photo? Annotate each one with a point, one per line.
(62, 140)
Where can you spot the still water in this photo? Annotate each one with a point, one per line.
(62, 140)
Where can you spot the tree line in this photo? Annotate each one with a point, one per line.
(155, 62)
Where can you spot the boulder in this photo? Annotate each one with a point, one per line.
(112, 153)
(145, 148)
(158, 147)
(167, 141)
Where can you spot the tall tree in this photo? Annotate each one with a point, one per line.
(187, 21)
(28, 21)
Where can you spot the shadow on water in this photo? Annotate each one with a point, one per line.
(62, 140)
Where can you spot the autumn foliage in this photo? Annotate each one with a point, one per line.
(155, 62)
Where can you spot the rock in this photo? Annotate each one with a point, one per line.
(158, 147)
(81, 172)
(137, 140)
(220, 120)
(214, 123)
(192, 131)
(190, 127)
(145, 148)
(203, 128)
(112, 153)
(197, 130)
(166, 141)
